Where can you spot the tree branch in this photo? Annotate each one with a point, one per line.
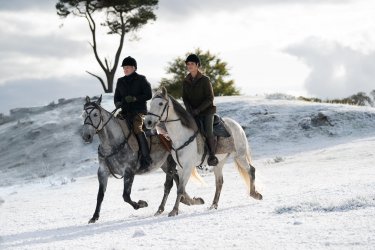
(93, 33)
(100, 79)
(106, 63)
(119, 49)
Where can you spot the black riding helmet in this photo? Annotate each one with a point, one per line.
(193, 58)
(129, 61)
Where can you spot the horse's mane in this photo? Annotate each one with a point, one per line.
(186, 119)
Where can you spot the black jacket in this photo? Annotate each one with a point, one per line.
(133, 85)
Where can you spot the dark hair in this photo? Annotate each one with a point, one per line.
(193, 58)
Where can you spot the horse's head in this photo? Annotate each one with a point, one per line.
(158, 109)
(93, 119)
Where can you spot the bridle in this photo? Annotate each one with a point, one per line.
(88, 121)
(191, 138)
(166, 108)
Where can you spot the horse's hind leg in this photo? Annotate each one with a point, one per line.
(253, 192)
(248, 173)
(128, 183)
(218, 171)
(103, 180)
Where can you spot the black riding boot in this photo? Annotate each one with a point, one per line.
(145, 152)
(212, 159)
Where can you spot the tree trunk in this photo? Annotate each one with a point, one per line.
(109, 72)
(110, 78)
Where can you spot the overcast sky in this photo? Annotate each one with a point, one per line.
(302, 47)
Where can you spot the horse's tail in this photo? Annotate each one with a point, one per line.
(248, 153)
(244, 165)
(197, 177)
(243, 173)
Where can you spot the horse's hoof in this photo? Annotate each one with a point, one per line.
(198, 201)
(173, 213)
(142, 204)
(159, 212)
(213, 206)
(256, 196)
(93, 219)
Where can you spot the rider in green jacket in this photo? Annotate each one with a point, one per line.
(198, 97)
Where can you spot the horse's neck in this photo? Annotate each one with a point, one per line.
(176, 131)
(111, 135)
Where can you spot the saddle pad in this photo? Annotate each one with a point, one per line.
(165, 141)
(224, 145)
(200, 143)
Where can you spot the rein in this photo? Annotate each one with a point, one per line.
(114, 152)
(118, 148)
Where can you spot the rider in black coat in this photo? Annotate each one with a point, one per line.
(131, 94)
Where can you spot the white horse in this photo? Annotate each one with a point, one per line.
(183, 131)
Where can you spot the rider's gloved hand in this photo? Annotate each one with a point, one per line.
(129, 99)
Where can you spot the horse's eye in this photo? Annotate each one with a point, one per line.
(95, 115)
(160, 103)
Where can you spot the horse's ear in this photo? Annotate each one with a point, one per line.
(87, 99)
(99, 100)
(164, 91)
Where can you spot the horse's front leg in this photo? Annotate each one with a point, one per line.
(169, 168)
(168, 184)
(183, 178)
(103, 180)
(128, 183)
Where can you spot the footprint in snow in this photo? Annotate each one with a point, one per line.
(138, 233)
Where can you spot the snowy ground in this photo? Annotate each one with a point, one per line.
(317, 177)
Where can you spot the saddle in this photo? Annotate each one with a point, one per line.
(223, 138)
(219, 128)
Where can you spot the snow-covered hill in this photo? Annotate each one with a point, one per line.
(44, 143)
(314, 167)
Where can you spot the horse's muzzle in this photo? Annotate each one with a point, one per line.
(149, 123)
(87, 138)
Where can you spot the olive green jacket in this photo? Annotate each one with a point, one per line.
(198, 94)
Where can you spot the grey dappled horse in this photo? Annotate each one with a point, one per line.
(117, 158)
(183, 132)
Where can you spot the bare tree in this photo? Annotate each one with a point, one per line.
(122, 16)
